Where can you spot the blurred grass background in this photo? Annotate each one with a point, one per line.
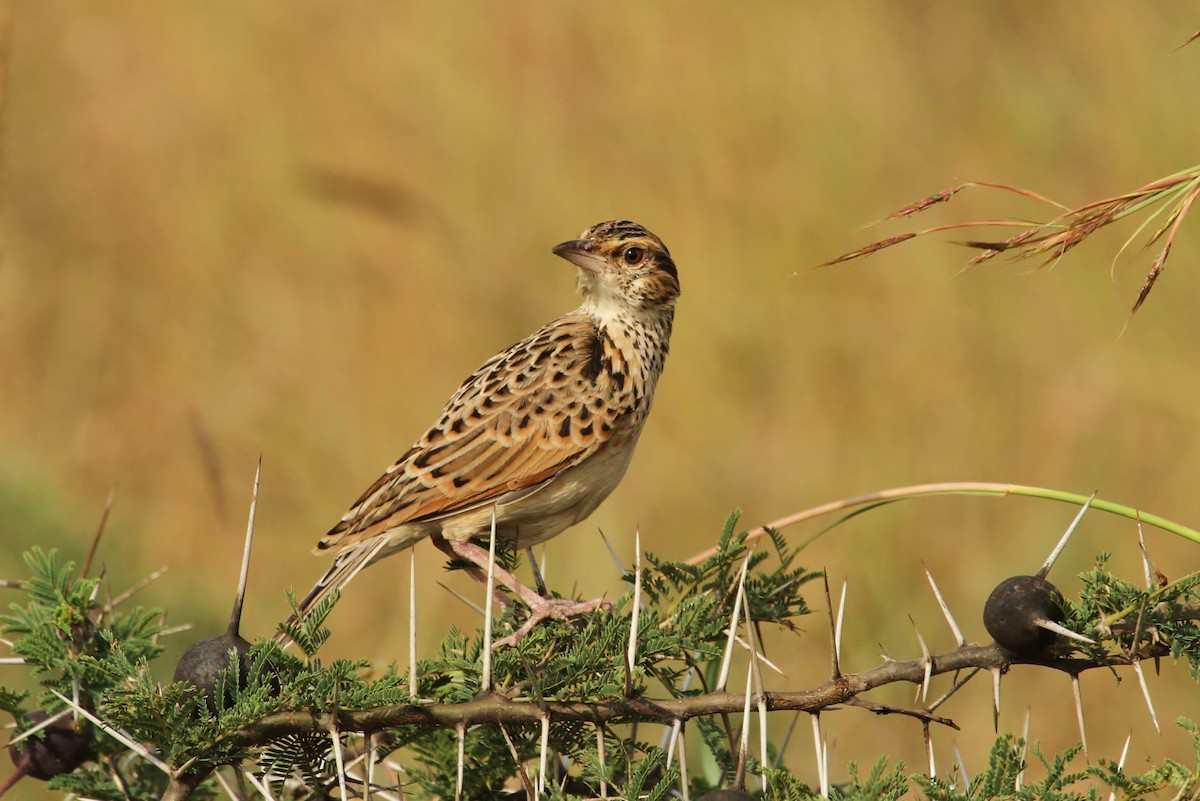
(237, 229)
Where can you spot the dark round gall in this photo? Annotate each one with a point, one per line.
(59, 748)
(725, 795)
(1013, 609)
(203, 663)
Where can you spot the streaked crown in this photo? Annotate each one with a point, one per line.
(624, 259)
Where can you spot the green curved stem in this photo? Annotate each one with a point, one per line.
(984, 488)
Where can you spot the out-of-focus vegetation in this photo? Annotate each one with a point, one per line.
(238, 229)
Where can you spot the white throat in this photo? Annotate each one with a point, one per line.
(607, 306)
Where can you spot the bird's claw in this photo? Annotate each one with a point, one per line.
(552, 609)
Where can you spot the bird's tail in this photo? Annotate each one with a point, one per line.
(344, 568)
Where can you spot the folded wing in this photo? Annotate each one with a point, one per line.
(526, 415)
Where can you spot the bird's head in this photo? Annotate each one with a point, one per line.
(621, 263)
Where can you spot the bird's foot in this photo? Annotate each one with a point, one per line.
(551, 609)
(539, 608)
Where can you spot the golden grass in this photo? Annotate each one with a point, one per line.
(232, 230)
(1163, 204)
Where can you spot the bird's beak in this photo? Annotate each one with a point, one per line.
(579, 252)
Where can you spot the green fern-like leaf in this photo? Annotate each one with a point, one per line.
(308, 630)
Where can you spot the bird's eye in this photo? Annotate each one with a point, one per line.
(633, 255)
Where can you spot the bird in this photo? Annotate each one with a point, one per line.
(536, 438)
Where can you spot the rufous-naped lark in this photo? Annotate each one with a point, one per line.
(539, 435)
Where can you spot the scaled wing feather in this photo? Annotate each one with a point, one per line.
(526, 415)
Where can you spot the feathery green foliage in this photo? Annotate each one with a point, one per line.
(1125, 617)
(79, 648)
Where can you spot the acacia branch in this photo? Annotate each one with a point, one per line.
(496, 708)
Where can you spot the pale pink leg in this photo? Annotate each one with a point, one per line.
(540, 608)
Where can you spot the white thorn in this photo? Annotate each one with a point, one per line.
(1137, 668)
(762, 741)
(1024, 748)
(1062, 543)
(339, 761)
(116, 734)
(958, 635)
(755, 658)
(744, 744)
(672, 739)
(962, 770)
(488, 603)
(1050, 625)
(1078, 695)
(613, 553)
(371, 755)
(734, 619)
(818, 746)
(226, 786)
(50, 721)
(244, 576)
(141, 585)
(635, 614)
(683, 771)
(923, 690)
(461, 731)
(412, 624)
(929, 751)
(631, 653)
(762, 659)
(362, 756)
(545, 748)
(760, 690)
(462, 598)
(1147, 565)
(264, 788)
(824, 767)
(837, 630)
(600, 749)
(1112, 796)
(958, 685)
(512, 749)
(996, 699)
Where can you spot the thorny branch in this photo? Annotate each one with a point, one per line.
(494, 708)
(690, 609)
